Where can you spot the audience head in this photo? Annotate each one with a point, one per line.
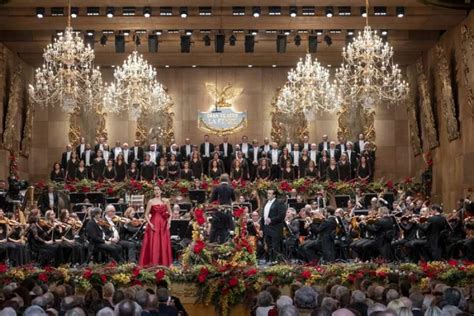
(264, 299)
(306, 298)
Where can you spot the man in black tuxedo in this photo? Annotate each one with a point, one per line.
(313, 153)
(226, 150)
(81, 147)
(66, 156)
(384, 230)
(186, 150)
(174, 150)
(295, 157)
(88, 156)
(359, 144)
(224, 193)
(288, 144)
(49, 200)
(352, 157)
(206, 149)
(254, 156)
(154, 154)
(273, 221)
(342, 144)
(96, 237)
(127, 153)
(100, 144)
(323, 238)
(436, 228)
(274, 156)
(266, 147)
(333, 151)
(324, 145)
(137, 153)
(305, 145)
(245, 147)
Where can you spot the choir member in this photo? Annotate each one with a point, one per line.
(205, 149)
(186, 173)
(173, 168)
(263, 170)
(147, 169)
(57, 174)
(237, 172)
(186, 149)
(120, 168)
(288, 173)
(81, 171)
(81, 148)
(305, 145)
(66, 156)
(332, 172)
(88, 156)
(311, 171)
(323, 164)
(333, 152)
(303, 163)
(215, 170)
(195, 164)
(274, 156)
(285, 156)
(345, 169)
(72, 165)
(133, 172)
(227, 151)
(359, 144)
(98, 166)
(363, 170)
(109, 171)
(137, 153)
(324, 144)
(162, 170)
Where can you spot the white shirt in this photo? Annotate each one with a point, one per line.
(153, 156)
(306, 146)
(361, 145)
(101, 147)
(88, 157)
(332, 153)
(125, 155)
(135, 152)
(117, 151)
(68, 155)
(106, 154)
(343, 148)
(325, 145)
(82, 148)
(188, 150)
(266, 209)
(274, 157)
(313, 155)
(289, 147)
(245, 149)
(296, 158)
(349, 153)
(255, 154)
(114, 229)
(51, 199)
(206, 150)
(266, 148)
(224, 145)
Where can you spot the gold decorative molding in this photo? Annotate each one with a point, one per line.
(90, 124)
(445, 94)
(412, 119)
(355, 120)
(28, 128)
(75, 130)
(293, 126)
(429, 127)
(159, 126)
(467, 54)
(14, 102)
(3, 84)
(101, 115)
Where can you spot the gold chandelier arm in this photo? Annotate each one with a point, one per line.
(366, 12)
(69, 14)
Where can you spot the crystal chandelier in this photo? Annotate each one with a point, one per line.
(135, 88)
(308, 90)
(67, 78)
(368, 74)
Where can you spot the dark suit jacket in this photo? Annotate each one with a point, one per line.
(64, 160)
(337, 154)
(230, 150)
(321, 146)
(326, 230)
(140, 155)
(91, 157)
(96, 147)
(44, 203)
(338, 147)
(262, 148)
(94, 232)
(259, 154)
(178, 156)
(277, 216)
(202, 149)
(357, 146)
(78, 150)
(182, 150)
(224, 193)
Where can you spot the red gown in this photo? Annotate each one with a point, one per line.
(156, 246)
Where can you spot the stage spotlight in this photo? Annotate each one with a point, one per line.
(126, 32)
(254, 32)
(238, 11)
(205, 11)
(110, 12)
(40, 13)
(147, 12)
(74, 12)
(329, 12)
(274, 11)
(158, 32)
(185, 44)
(380, 11)
(207, 40)
(219, 43)
(183, 12)
(287, 32)
(384, 32)
(293, 12)
(103, 40)
(89, 38)
(128, 11)
(166, 11)
(152, 43)
(249, 43)
(312, 44)
(232, 40)
(319, 32)
(189, 32)
(297, 40)
(400, 12)
(56, 11)
(308, 11)
(350, 32)
(120, 43)
(93, 11)
(344, 11)
(363, 12)
(274, 66)
(256, 12)
(281, 44)
(328, 40)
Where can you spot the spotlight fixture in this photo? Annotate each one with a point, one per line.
(188, 32)
(207, 40)
(384, 32)
(128, 11)
(274, 66)
(141, 32)
(363, 12)
(167, 66)
(107, 32)
(103, 40)
(232, 40)
(74, 12)
(308, 11)
(158, 32)
(93, 11)
(254, 32)
(89, 38)
(249, 43)
(256, 12)
(238, 10)
(271, 31)
(183, 12)
(274, 11)
(329, 12)
(312, 44)
(287, 32)
(110, 12)
(205, 11)
(297, 40)
(90, 33)
(335, 31)
(328, 40)
(380, 11)
(57, 11)
(250, 66)
(319, 32)
(350, 32)
(40, 11)
(173, 31)
(166, 11)
(126, 32)
(185, 44)
(152, 43)
(293, 12)
(147, 12)
(344, 11)
(400, 12)
(194, 66)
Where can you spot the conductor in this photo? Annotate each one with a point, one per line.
(222, 222)
(224, 193)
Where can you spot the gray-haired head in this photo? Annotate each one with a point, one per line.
(76, 311)
(358, 296)
(106, 311)
(7, 311)
(288, 310)
(283, 301)
(306, 297)
(264, 299)
(34, 310)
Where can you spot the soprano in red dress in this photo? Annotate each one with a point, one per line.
(156, 246)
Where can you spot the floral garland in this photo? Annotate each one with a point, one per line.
(225, 285)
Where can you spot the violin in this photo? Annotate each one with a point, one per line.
(103, 223)
(45, 224)
(136, 222)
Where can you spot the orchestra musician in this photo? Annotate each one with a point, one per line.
(255, 233)
(113, 235)
(45, 249)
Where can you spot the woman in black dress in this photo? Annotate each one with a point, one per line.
(186, 173)
(303, 163)
(344, 168)
(285, 156)
(173, 168)
(323, 164)
(109, 171)
(263, 171)
(215, 170)
(311, 171)
(332, 173)
(162, 170)
(133, 173)
(288, 172)
(363, 170)
(147, 169)
(195, 164)
(71, 167)
(81, 171)
(57, 175)
(120, 168)
(98, 167)
(237, 172)
(215, 157)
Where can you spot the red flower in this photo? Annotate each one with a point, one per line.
(136, 272)
(238, 212)
(103, 278)
(351, 278)
(200, 220)
(160, 274)
(203, 273)
(408, 180)
(43, 277)
(306, 274)
(110, 191)
(204, 186)
(251, 272)
(40, 184)
(183, 190)
(270, 278)
(87, 274)
(215, 182)
(199, 245)
(3, 268)
(285, 186)
(453, 263)
(233, 282)
(389, 184)
(382, 274)
(86, 189)
(111, 265)
(137, 282)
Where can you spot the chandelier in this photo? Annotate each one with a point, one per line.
(135, 88)
(368, 74)
(67, 78)
(308, 90)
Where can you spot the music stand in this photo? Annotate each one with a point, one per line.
(120, 207)
(297, 206)
(321, 201)
(198, 196)
(112, 200)
(81, 207)
(96, 198)
(368, 197)
(341, 200)
(185, 207)
(291, 201)
(77, 198)
(390, 198)
(179, 227)
(361, 212)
